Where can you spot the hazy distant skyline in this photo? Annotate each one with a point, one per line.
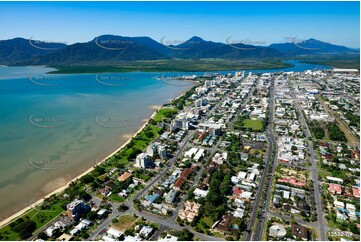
(259, 23)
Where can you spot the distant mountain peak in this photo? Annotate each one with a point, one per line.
(196, 38)
(108, 48)
(296, 46)
(313, 40)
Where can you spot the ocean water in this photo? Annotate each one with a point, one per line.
(54, 127)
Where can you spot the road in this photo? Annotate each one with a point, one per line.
(170, 223)
(129, 202)
(154, 218)
(288, 218)
(266, 179)
(314, 171)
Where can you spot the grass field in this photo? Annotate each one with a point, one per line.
(208, 221)
(40, 217)
(323, 174)
(164, 113)
(6, 234)
(140, 142)
(255, 125)
(217, 234)
(205, 221)
(116, 198)
(125, 222)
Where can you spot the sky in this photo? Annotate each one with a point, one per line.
(259, 23)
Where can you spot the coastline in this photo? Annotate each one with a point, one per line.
(9, 219)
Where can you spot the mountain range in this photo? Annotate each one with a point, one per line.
(110, 49)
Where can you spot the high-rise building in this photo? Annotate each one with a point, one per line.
(143, 160)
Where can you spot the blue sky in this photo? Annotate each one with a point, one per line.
(253, 22)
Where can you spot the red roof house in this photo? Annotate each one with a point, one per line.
(335, 189)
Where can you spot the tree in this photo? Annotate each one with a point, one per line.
(85, 235)
(335, 133)
(353, 228)
(25, 228)
(87, 179)
(185, 235)
(224, 186)
(134, 153)
(149, 134)
(42, 236)
(91, 215)
(85, 196)
(190, 194)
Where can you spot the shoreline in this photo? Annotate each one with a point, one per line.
(62, 188)
(11, 218)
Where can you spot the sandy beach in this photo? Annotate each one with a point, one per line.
(61, 181)
(155, 107)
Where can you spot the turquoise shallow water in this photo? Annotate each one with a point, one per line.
(54, 127)
(64, 127)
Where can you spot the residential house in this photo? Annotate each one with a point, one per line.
(299, 231)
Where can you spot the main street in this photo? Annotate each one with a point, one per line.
(266, 176)
(314, 171)
(269, 172)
